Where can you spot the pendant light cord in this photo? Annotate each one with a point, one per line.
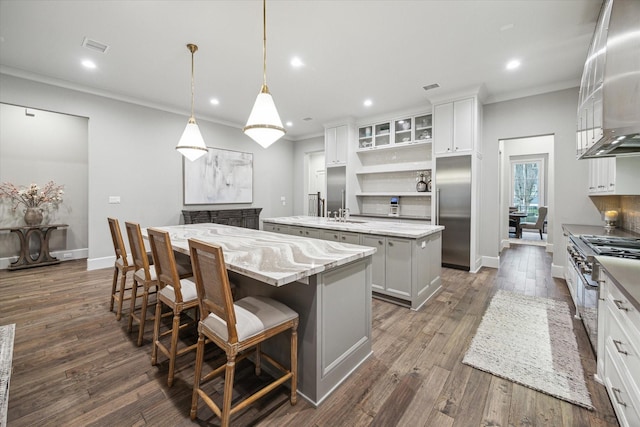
(192, 48)
(264, 45)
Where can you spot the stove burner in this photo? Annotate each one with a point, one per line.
(621, 247)
(618, 252)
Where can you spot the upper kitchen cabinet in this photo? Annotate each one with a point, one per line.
(401, 131)
(454, 127)
(336, 140)
(614, 176)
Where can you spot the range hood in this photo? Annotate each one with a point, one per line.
(609, 103)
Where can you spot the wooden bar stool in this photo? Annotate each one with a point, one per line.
(123, 265)
(145, 278)
(238, 329)
(177, 294)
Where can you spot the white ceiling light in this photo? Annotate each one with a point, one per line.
(264, 125)
(289, 124)
(87, 63)
(191, 144)
(296, 62)
(368, 103)
(513, 64)
(214, 101)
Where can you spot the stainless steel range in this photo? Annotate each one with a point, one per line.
(581, 254)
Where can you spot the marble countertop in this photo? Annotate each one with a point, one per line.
(626, 274)
(276, 259)
(381, 228)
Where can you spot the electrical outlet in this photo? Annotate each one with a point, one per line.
(67, 255)
(114, 199)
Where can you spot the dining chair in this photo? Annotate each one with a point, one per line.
(123, 265)
(238, 329)
(177, 294)
(145, 278)
(539, 224)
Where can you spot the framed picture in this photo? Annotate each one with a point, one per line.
(220, 176)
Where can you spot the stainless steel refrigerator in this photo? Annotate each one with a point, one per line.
(336, 184)
(453, 210)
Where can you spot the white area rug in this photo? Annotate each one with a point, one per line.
(530, 341)
(6, 355)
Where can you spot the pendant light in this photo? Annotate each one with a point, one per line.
(191, 144)
(264, 125)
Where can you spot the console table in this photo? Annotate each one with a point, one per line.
(246, 218)
(24, 233)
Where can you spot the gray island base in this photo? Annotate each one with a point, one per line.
(408, 260)
(327, 283)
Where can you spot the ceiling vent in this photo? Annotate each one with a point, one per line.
(94, 45)
(432, 86)
(307, 119)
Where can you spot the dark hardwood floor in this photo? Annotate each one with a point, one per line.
(75, 365)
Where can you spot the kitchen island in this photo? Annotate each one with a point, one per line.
(327, 283)
(408, 260)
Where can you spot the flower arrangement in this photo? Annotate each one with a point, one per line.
(33, 196)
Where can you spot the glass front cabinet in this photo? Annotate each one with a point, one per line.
(407, 130)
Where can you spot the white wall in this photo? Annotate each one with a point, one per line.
(550, 113)
(131, 154)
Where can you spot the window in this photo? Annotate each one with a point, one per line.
(527, 178)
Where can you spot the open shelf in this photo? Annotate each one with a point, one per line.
(397, 193)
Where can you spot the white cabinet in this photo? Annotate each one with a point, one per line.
(454, 124)
(614, 176)
(275, 228)
(391, 265)
(404, 271)
(620, 350)
(336, 140)
(304, 232)
(340, 236)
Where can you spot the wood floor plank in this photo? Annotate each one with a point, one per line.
(74, 364)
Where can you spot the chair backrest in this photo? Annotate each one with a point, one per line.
(138, 251)
(212, 284)
(542, 215)
(118, 243)
(164, 261)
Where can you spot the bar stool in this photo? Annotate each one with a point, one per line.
(177, 294)
(123, 265)
(235, 328)
(145, 278)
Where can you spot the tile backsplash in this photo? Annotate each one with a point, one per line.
(627, 206)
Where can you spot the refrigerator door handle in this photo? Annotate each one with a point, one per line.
(438, 206)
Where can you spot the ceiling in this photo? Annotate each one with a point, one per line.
(352, 50)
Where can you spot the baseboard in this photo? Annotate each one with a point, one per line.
(98, 263)
(504, 244)
(557, 271)
(491, 261)
(549, 248)
(63, 255)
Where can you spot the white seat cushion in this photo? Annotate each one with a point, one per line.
(187, 287)
(141, 276)
(129, 261)
(253, 315)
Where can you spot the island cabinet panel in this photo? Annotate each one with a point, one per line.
(404, 270)
(275, 228)
(391, 265)
(304, 232)
(340, 236)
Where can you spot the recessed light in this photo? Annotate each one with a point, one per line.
(513, 64)
(87, 63)
(368, 103)
(289, 124)
(296, 62)
(214, 101)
